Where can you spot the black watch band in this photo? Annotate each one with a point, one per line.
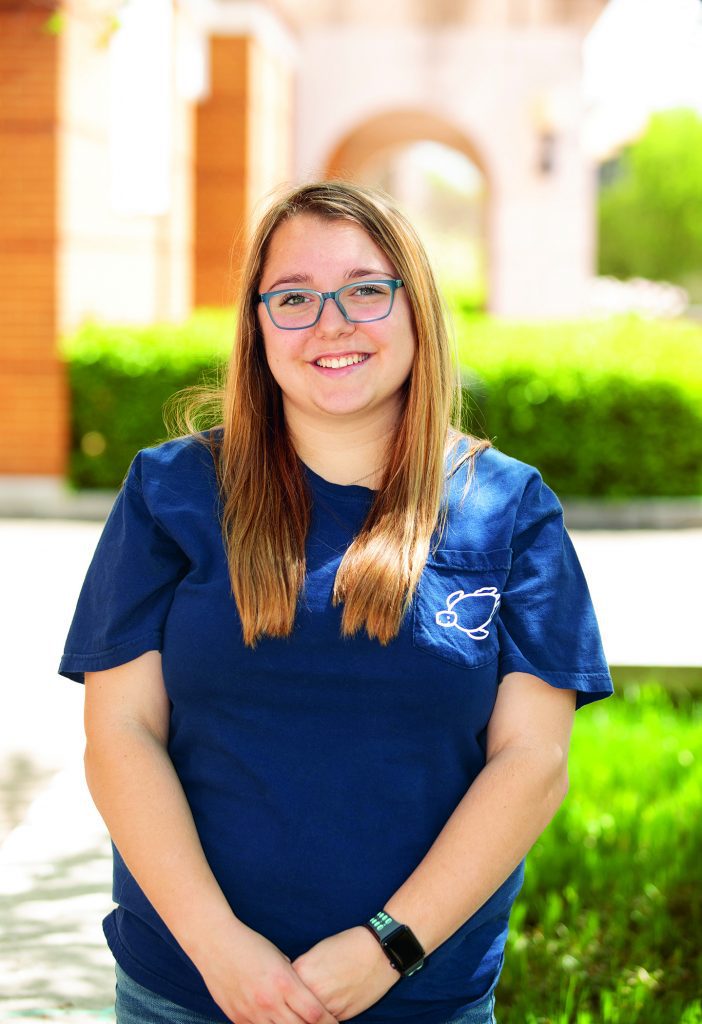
(398, 942)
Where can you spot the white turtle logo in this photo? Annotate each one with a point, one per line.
(448, 617)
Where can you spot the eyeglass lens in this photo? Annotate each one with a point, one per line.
(364, 301)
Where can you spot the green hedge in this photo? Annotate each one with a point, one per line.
(120, 377)
(607, 408)
(606, 928)
(603, 408)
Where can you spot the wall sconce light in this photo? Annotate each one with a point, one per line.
(547, 120)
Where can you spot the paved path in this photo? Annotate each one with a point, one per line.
(54, 849)
(54, 852)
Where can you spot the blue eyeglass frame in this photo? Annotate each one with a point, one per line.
(395, 283)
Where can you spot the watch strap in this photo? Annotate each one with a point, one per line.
(382, 925)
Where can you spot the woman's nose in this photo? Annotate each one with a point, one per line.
(332, 320)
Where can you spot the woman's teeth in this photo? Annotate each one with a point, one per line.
(342, 361)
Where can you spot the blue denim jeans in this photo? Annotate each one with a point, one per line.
(138, 1005)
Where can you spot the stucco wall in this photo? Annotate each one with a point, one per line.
(115, 263)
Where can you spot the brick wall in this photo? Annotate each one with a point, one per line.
(33, 399)
(221, 148)
(243, 148)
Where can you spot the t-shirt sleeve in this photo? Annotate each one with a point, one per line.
(547, 624)
(128, 588)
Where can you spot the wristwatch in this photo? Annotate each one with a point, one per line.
(399, 943)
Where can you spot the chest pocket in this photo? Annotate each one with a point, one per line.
(456, 603)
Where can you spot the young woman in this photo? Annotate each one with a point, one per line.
(332, 651)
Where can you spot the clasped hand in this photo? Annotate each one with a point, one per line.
(253, 982)
(347, 972)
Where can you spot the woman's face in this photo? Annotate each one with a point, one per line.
(307, 252)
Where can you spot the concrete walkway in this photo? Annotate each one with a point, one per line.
(54, 849)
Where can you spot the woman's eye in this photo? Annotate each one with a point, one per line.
(292, 299)
(368, 289)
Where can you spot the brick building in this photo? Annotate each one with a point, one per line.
(133, 157)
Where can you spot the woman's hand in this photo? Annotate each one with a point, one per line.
(348, 972)
(253, 982)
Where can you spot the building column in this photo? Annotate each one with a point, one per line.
(243, 140)
(33, 392)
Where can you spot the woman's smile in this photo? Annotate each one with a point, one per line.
(340, 365)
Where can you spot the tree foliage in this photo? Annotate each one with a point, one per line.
(650, 204)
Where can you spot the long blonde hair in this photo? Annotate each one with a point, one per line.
(265, 496)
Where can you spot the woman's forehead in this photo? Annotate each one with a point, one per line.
(306, 243)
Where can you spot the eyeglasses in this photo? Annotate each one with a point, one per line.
(291, 309)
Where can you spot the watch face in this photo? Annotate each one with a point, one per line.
(405, 947)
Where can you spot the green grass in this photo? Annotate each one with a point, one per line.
(607, 928)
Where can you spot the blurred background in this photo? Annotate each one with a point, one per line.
(550, 154)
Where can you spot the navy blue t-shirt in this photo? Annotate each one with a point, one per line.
(319, 769)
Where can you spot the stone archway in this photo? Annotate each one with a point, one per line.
(379, 138)
(393, 129)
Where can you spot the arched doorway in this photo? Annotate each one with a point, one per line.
(438, 177)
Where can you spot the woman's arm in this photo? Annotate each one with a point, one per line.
(498, 820)
(138, 793)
